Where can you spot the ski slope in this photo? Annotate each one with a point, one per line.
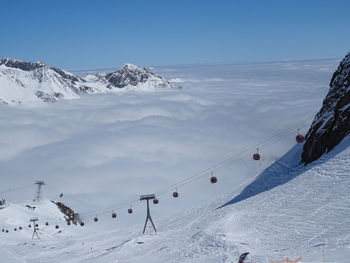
(288, 210)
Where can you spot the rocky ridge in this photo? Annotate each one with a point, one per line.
(332, 123)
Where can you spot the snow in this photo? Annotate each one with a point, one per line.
(19, 86)
(307, 214)
(106, 149)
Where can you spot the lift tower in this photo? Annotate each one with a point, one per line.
(39, 192)
(35, 228)
(148, 217)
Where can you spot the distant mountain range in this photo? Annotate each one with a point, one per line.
(22, 81)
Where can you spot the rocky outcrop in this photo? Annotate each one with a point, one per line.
(332, 122)
(48, 97)
(69, 214)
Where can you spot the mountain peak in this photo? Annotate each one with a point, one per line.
(130, 66)
(131, 75)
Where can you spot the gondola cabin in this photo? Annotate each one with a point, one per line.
(130, 210)
(114, 215)
(95, 219)
(155, 201)
(256, 157)
(300, 138)
(175, 194)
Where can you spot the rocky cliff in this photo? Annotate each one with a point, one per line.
(332, 122)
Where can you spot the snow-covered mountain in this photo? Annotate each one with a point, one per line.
(22, 81)
(332, 122)
(131, 75)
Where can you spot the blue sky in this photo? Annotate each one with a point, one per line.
(96, 34)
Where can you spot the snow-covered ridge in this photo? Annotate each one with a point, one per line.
(22, 81)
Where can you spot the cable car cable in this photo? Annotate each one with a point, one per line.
(267, 142)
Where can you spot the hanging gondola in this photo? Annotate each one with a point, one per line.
(68, 223)
(114, 215)
(213, 179)
(95, 219)
(15, 229)
(256, 156)
(36, 225)
(299, 138)
(61, 195)
(57, 226)
(46, 223)
(130, 210)
(3, 230)
(175, 194)
(155, 201)
(82, 223)
(29, 225)
(6, 231)
(20, 228)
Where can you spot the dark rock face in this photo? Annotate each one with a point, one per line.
(69, 214)
(332, 122)
(127, 75)
(48, 97)
(26, 66)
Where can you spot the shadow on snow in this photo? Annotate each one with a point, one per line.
(284, 170)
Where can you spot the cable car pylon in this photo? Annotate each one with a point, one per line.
(148, 217)
(35, 228)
